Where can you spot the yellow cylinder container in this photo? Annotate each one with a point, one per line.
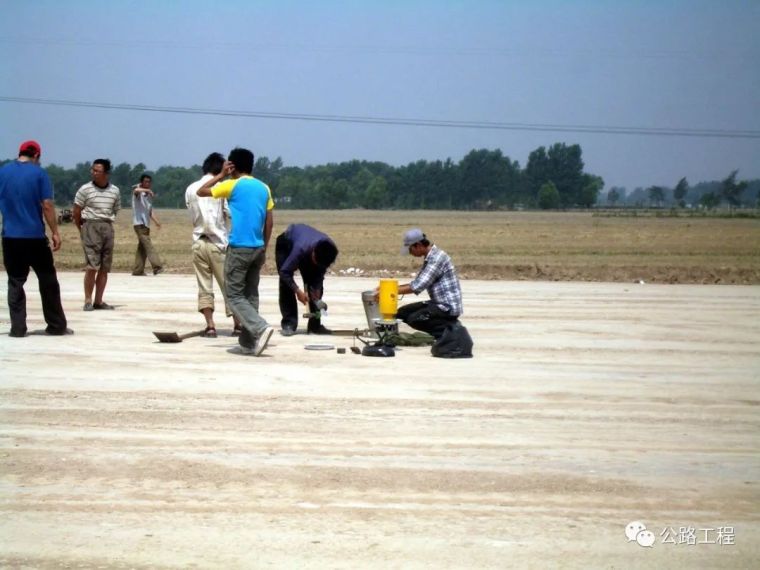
(388, 299)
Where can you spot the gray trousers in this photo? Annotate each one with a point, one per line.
(242, 271)
(145, 251)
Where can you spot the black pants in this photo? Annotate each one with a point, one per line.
(288, 301)
(425, 316)
(20, 255)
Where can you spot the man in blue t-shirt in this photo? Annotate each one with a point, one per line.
(250, 203)
(26, 196)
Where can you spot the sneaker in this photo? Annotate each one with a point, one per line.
(321, 329)
(66, 331)
(103, 307)
(263, 340)
(158, 270)
(88, 307)
(287, 331)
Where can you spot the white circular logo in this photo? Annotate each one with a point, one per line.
(633, 529)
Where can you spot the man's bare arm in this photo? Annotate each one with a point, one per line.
(48, 210)
(205, 190)
(268, 225)
(77, 215)
(405, 289)
(140, 190)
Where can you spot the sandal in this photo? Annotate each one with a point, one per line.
(237, 331)
(209, 332)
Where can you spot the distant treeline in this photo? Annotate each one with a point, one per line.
(483, 179)
(730, 191)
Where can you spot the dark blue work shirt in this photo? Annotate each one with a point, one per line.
(23, 188)
(304, 239)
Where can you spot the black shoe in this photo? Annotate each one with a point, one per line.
(66, 331)
(158, 270)
(321, 329)
(17, 334)
(287, 331)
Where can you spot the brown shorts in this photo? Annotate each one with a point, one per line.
(97, 242)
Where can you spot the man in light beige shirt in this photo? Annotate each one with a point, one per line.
(210, 238)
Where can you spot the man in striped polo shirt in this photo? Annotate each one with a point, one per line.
(95, 206)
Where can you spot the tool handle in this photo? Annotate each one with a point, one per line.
(190, 335)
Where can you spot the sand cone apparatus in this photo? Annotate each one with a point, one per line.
(381, 316)
(388, 299)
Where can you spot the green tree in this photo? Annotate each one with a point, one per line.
(170, 183)
(537, 173)
(613, 196)
(481, 179)
(65, 184)
(680, 191)
(548, 196)
(376, 195)
(563, 165)
(710, 200)
(120, 176)
(731, 190)
(592, 185)
(487, 179)
(656, 195)
(269, 172)
(292, 191)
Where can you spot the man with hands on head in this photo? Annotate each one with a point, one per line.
(210, 239)
(250, 202)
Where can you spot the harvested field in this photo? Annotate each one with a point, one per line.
(587, 406)
(554, 246)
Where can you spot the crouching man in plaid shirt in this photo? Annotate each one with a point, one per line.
(439, 277)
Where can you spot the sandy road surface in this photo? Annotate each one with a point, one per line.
(588, 406)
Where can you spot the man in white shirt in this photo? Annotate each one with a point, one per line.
(210, 238)
(142, 214)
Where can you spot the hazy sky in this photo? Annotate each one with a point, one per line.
(659, 64)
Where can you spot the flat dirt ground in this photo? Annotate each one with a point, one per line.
(587, 406)
(511, 246)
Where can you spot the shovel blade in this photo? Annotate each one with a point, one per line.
(167, 337)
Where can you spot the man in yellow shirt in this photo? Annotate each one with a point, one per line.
(250, 202)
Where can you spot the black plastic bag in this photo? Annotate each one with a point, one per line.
(455, 342)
